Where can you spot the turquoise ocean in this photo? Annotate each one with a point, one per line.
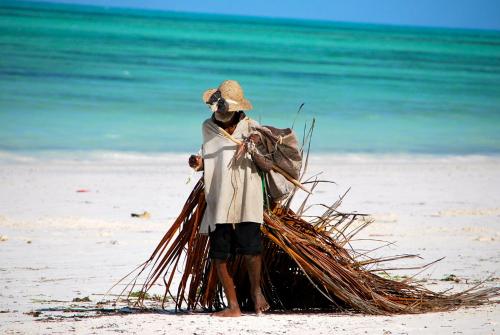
(83, 79)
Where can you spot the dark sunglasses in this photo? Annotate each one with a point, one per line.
(216, 98)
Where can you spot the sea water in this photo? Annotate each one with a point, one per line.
(79, 78)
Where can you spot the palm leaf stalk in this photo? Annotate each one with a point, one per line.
(307, 265)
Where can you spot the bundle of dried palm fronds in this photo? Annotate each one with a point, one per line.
(306, 265)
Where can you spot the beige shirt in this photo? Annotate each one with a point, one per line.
(233, 188)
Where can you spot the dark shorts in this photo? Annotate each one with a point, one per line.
(244, 238)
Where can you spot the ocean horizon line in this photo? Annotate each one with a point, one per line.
(247, 18)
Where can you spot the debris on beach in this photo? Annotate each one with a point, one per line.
(34, 313)
(3, 238)
(83, 190)
(84, 299)
(485, 239)
(144, 215)
(451, 277)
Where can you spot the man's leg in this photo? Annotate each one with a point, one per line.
(220, 249)
(229, 290)
(250, 245)
(254, 265)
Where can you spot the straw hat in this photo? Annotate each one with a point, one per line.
(232, 93)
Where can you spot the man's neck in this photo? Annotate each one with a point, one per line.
(231, 124)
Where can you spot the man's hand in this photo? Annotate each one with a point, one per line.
(196, 162)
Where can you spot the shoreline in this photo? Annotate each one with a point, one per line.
(109, 155)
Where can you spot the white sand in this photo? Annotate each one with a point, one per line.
(57, 244)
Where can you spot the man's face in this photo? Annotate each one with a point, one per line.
(220, 107)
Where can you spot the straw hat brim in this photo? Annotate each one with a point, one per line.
(234, 106)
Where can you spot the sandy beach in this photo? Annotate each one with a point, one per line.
(66, 232)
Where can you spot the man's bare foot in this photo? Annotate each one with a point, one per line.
(228, 312)
(260, 303)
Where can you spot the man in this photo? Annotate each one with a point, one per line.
(233, 191)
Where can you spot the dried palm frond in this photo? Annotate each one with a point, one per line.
(306, 265)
